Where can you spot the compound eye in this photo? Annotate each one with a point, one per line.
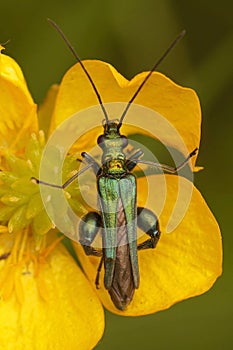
(124, 141)
(101, 139)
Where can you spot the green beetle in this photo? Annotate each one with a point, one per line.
(118, 216)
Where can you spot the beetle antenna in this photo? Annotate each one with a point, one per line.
(67, 42)
(171, 46)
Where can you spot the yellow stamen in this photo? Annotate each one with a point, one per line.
(18, 285)
(51, 247)
(23, 244)
(14, 252)
(22, 254)
(34, 259)
(8, 283)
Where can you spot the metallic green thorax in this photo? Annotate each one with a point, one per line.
(112, 144)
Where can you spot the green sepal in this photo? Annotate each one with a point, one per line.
(25, 185)
(6, 213)
(3, 190)
(35, 206)
(18, 220)
(7, 177)
(18, 166)
(14, 199)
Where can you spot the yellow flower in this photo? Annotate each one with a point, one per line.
(45, 300)
(188, 260)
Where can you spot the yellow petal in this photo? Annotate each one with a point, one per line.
(46, 108)
(179, 105)
(17, 109)
(185, 263)
(57, 309)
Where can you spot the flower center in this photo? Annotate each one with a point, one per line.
(24, 223)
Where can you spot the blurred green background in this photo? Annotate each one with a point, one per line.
(131, 34)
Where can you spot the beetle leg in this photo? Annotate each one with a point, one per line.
(90, 160)
(88, 229)
(164, 167)
(91, 163)
(132, 161)
(98, 273)
(62, 187)
(147, 221)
